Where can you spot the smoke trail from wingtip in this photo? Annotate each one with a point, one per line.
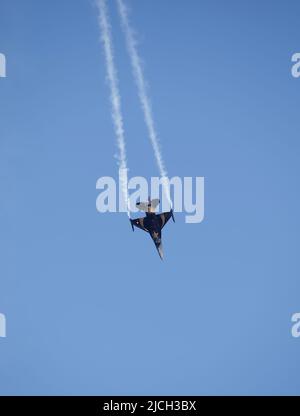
(115, 98)
(142, 91)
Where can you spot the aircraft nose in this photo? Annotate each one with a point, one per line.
(160, 252)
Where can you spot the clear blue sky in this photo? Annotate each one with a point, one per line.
(90, 308)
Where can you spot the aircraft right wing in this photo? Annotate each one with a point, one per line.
(164, 217)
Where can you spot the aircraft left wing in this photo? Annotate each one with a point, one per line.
(139, 223)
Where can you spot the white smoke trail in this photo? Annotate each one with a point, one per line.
(115, 98)
(142, 91)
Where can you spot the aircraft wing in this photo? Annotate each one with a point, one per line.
(139, 223)
(164, 218)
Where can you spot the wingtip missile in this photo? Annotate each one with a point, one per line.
(131, 224)
(172, 213)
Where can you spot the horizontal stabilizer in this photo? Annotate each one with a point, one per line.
(149, 206)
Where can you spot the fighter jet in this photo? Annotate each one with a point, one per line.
(153, 223)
